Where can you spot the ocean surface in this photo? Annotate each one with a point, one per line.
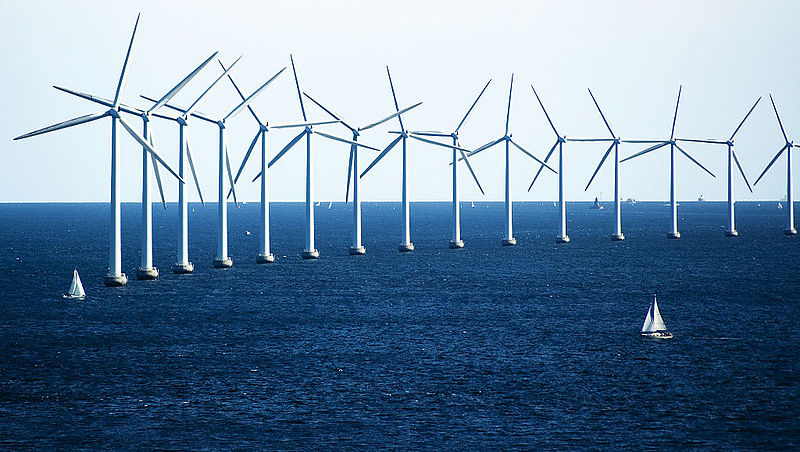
(529, 347)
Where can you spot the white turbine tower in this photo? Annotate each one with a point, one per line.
(115, 276)
(731, 231)
(673, 234)
(309, 252)
(183, 265)
(264, 255)
(508, 238)
(352, 168)
(790, 230)
(562, 207)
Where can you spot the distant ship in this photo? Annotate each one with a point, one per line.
(653, 326)
(701, 199)
(780, 206)
(473, 204)
(330, 204)
(596, 204)
(317, 204)
(630, 201)
(75, 288)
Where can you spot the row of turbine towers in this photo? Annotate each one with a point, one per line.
(151, 160)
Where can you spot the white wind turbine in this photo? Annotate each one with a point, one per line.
(146, 269)
(455, 241)
(508, 239)
(352, 168)
(183, 265)
(264, 256)
(790, 230)
(673, 234)
(731, 231)
(309, 252)
(115, 276)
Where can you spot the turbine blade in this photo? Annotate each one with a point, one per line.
(605, 156)
(285, 150)
(471, 171)
(780, 123)
(601, 114)
(191, 166)
(770, 164)
(252, 97)
(396, 106)
(124, 74)
(643, 141)
(695, 161)
(247, 155)
(485, 147)
(224, 73)
(588, 139)
(539, 171)
(675, 118)
(241, 95)
(745, 119)
(167, 97)
(302, 124)
(257, 176)
(64, 124)
(343, 140)
(329, 112)
(432, 134)
(230, 176)
(692, 140)
(472, 107)
(545, 111)
(508, 111)
(390, 117)
(89, 97)
(382, 154)
(297, 84)
(448, 146)
(136, 136)
(349, 173)
(156, 171)
(650, 149)
(532, 156)
(736, 159)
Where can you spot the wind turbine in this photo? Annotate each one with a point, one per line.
(183, 265)
(508, 239)
(310, 252)
(115, 276)
(790, 230)
(560, 140)
(264, 256)
(352, 168)
(673, 234)
(456, 242)
(731, 232)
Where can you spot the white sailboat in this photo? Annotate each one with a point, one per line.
(653, 324)
(330, 204)
(75, 288)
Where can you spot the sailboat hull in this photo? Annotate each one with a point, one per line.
(658, 335)
(73, 297)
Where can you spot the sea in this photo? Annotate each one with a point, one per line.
(532, 347)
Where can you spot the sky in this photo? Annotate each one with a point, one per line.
(633, 55)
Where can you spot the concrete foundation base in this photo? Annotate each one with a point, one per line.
(731, 233)
(618, 237)
(309, 254)
(183, 269)
(115, 280)
(223, 263)
(508, 242)
(674, 235)
(456, 244)
(357, 250)
(406, 247)
(562, 239)
(146, 274)
(792, 231)
(265, 258)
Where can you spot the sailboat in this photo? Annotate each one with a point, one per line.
(330, 203)
(473, 204)
(75, 288)
(653, 326)
(596, 204)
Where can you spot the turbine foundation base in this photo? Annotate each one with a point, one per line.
(115, 280)
(792, 231)
(508, 242)
(265, 258)
(223, 263)
(733, 233)
(406, 247)
(147, 274)
(183, 269)
(618, 237)
(309, 254)
(674, 235)
(357, 251)
(562, 239)
(456, 244)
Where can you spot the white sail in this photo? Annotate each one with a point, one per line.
(653, 321)
(76, 287)
(648, 321)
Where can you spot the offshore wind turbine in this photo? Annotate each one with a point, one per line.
(309, 252)
(182, 264)
(455, 241)
(790, 230)
(352, 168)
(731, 231)
(508, 238)
(115, 276)
(264, 255)
(673, 234)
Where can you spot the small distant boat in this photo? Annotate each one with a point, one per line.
(473, 204)
(75, 288)
(330, 204)
(701, 199)
(653, 326)
(246, 232)
(630, 201)
(596, 204)
(780, 206)
(317, 204)
(555, 204)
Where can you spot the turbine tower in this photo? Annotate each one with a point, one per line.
(352, 168)
(673, 234)
(508, 237)
(115, 276)
(731, 231)
(790, 230)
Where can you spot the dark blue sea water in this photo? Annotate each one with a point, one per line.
(531, 347)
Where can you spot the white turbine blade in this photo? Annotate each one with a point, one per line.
(601, 113)
(771, 163)
(241, 95)
(693, 140)
(532, 156)
(470, 110)
(394, 96)
(191, 166)
(156, 171)
(589, 139)
(545, 111)
(230, 176)
(252, 97)
(448, 146)
(136, 136)
(695, 161)
(471, 171)
(247, 155)
(485, 146)
(297, 84)
(89, 97)
(124, 74)
(171, 93)
(64, 124)
(539, 171)
(343, 140)
(432, 134)
(745, 119)
(602, 160)
(349, 173)
(285, 149)
(390, 117)
(329, 112)
(650, 149)
(736, 159)
(508, 111)
(644, 141)
(224, 73)
(780, 123)
(675, 118)
(303, 124)
(382, 154)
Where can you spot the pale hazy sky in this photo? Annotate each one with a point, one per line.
(632, 54)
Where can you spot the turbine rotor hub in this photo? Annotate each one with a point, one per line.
(182, 121)
(114, 113)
